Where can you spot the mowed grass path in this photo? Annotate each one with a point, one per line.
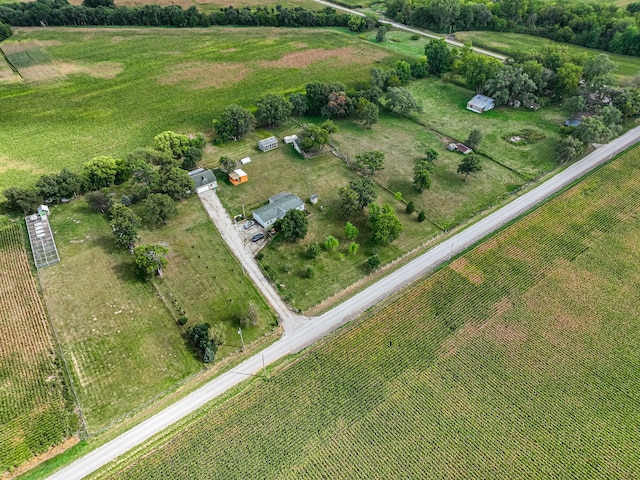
(119, 335)
(107, 91)
(36, 404)
(518, 360)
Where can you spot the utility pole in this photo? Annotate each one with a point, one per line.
(241, 338)
(264, 369)
(243, 215)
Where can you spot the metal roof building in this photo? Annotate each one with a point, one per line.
(277, 207)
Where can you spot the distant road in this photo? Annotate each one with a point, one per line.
(401, 26)
(316, 328)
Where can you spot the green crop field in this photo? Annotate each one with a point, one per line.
(36, 405)
(111, 323)
(107, 91)
(512, 43)
(518, 360)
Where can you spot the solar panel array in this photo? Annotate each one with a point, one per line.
(43, 246)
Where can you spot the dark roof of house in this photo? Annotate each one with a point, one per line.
(278, 205)
(201, 176)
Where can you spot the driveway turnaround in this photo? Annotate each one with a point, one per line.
(304, 332)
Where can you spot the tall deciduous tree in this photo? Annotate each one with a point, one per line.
(400, 101)
(26, 200)
(100, 172)
(159, 208)
(370, 161)
(294, 225)
(150, 259)
(174, 144)
(593, 130)
(175, 182)
(366, 111)
(124, 224)
(365, 190)
(511, 84)
(227, 165)
(234, 123)
(569, 149)
(439, 58)
(474, 139)
(273, 110)
(385, 223)
(350, 231)
(349, 202)
(422, 175)
(567, 79)
(469, 164)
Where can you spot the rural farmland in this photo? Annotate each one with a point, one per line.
(37, 407)
(515, 361)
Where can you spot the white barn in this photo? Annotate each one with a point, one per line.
(481, 104)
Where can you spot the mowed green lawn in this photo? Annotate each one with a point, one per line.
(517, 361)
(512, 43)
(119, 335)
(107, 91)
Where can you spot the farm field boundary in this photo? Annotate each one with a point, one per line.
(36, 405)
(518, 348)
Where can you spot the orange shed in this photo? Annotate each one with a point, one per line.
(238, 176)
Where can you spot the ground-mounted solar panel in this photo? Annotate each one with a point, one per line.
(43, 245)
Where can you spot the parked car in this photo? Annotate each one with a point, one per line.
(249, 224)
(257, 236)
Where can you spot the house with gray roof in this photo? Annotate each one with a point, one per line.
(277, 207)
(204, 179)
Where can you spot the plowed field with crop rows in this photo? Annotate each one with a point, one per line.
(35, 406)
(519, 360)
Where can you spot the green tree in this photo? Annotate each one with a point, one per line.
(338, 105)
(411, 207)
(26, 200)
(273, 110)
(593, 130)
(200, 338)
(313, 138)
(100, 172)
(373, 262)
(365, 190)
(5, 31)
(294, 225)
(567, 78)
(234, 123)
(422, 175)
(474, 139)
(477, 69)
(47, 188)
(445, 13)
(439, 58)
(431, 154)
(174, 144)
(349, 202)
(569, 149)
(69, 183)
(370, 161)
(422, 216)
(299, 104)
(597, 72)
(419, 68)
(357, 24)
(385, 223)
(469, 164)
(576, 104)
(381, 33)
(353, 248)
(313, 251)
(150, 259)
(511, 84)
(331, 243)
(124, 224)
(351, 231)
(400, 101)
(403, 71)
(159, 208)
(366, 111)
(227, 165)
(175, 182)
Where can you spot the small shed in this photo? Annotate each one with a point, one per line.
(238, 176)
(268, 144)
(314, 198)
(43, 211)
(481, 104)
(245, 160)
(277, 207)
(289, 139)
(203, 179)
(463, 149)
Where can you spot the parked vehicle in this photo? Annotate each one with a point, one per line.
(249, 224)
(257, 236)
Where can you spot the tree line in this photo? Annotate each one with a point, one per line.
(104, 12)
(602, 26)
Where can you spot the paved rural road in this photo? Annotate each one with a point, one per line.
(402, 26)
(311, 330)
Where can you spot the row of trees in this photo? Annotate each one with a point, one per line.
(104, 12)
(601, 26)
(160, 169)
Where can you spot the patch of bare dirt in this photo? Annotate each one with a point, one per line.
(199, 75)
(506, 334)
(467, 270)
(304, 58)
(38, 459)
(56, 70)
(229, 50)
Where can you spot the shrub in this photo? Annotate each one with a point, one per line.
(421, 216)
(331, 243)
(308, 272)
(353, 248)
(415, 36)
(410, 208)
(182, 321)
(259, 256)
(313, 251)
(373, 262)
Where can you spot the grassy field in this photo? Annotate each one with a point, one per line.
(107, 91)
(112, 324)
(36, 405)
(512, 43)
(516, 361)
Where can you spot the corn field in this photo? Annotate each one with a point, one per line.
(35, 406)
